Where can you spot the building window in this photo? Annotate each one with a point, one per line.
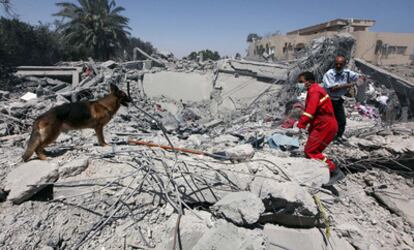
(398, 50)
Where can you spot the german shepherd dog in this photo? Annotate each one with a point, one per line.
(71, 116)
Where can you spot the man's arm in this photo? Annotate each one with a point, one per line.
(341, 86)
(353, 76)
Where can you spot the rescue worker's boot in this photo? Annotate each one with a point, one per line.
(331, 188)
(335, 176)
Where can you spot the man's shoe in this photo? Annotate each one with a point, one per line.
(341, 141)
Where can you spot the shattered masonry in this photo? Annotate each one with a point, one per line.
(244, 185)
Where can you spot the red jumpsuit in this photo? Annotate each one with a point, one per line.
(320, 115)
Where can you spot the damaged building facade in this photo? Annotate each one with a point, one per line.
(383, 48)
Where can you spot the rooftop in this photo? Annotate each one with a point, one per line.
(360, 24)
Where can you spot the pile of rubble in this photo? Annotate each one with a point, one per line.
(199, 172)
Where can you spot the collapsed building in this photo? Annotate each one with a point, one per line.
(383, 48)
(200, 161)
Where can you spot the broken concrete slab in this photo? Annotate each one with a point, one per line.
(240, 208)
(242, 89)
(354, 235)
(363, 143)
(108, 64)
(287, 203)
(53, 71)
(23, 182)
(399, 204)
(185, 86)
(74, 167)
(225, 235)
(191, 229)
(311, 173)
(400, 144)
(262, 71)
(209, 185)
(278, 238)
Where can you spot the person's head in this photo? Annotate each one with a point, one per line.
(306, 78)
(340, 62)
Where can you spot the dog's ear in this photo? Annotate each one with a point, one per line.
(114, 88)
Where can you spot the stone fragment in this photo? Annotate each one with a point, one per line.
(74, 167)
(23, 182)
(240, 208)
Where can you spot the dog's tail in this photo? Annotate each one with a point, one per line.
(33, 143)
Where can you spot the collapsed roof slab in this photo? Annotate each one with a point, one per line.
(179, 85)
(74, 72)
(267, 72)
(243, 89)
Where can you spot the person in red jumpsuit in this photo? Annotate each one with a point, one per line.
(320, 116)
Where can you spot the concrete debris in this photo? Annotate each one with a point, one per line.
(74, 167)
(321, 55)
(240, 153)
(286, 203)
(225, 235)
(27, 179)
(217, 184)
(288, 238)
(240, 208)
(108, 64)
(353, 233)
(191, 230)
(400, 205)
(28, 96)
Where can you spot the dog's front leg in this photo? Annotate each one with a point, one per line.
(99, 134)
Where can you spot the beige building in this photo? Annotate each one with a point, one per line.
(381, 48)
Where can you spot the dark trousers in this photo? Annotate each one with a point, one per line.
(338, 106)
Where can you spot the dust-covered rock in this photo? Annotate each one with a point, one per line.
(225, 235)
(74, 167)
(240, 208)
(289, 238)
(240, 152)
(25, 180)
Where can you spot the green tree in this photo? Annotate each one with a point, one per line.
(94, 26)
(207, 54)
(251, 37)
(134, 42)
(24, 44)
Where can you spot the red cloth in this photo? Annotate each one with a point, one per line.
(320, 115)
(288, 123)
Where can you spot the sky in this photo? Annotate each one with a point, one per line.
(182, 26)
